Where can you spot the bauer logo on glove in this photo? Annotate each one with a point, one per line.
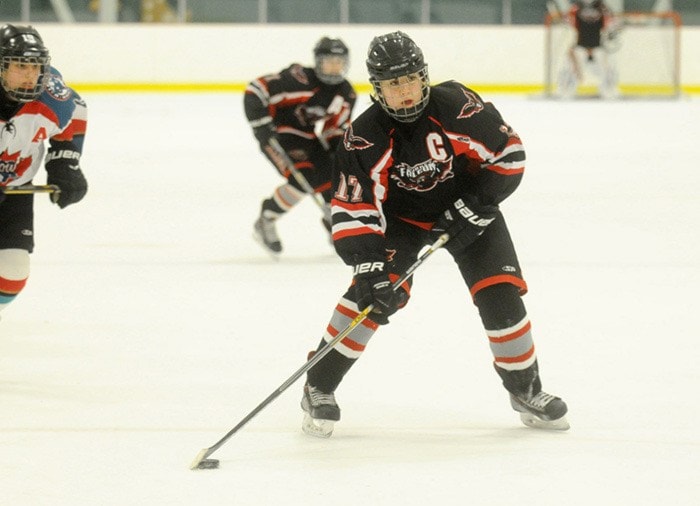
(470, 216)
(63, 171)
(466, 224)
(366, 267)
(63, 153)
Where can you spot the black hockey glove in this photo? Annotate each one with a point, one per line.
(464, 221)
(272, 150)
(63, 170)
(372, 286)
(264, 133)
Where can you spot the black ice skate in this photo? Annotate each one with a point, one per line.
(541, 411)
(320, 412)
(265, 232)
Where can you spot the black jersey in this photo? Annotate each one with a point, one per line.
(297, 100)
(589, 21)
(388, 170)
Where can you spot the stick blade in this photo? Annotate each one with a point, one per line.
(201, 456)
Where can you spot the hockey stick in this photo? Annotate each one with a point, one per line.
(274, 143)
(29, 188)
(202, 462)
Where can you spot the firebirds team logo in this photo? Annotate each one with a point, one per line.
(308, 115)
(424, 176)
(590, 14)
(471, 107)
(299, 74)
(352, 141)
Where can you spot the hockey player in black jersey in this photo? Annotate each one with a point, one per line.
(288, 107)
(422, 161)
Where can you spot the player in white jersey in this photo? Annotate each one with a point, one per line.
(36, 109)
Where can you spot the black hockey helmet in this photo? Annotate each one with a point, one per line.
(395, 55)
(23, 44)
(327, 49)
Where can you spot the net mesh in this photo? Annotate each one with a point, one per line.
(643, 48)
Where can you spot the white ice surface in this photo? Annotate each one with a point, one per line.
(152, 323)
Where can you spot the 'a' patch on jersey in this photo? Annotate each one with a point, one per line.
(40, 135)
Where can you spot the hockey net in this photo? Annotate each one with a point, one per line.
(643, 48)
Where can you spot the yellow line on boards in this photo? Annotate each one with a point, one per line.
(359, 87)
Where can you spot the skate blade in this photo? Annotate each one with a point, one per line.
(275, 255)
(538, 423)
(317, 428)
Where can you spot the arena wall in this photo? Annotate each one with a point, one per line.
(223, 57)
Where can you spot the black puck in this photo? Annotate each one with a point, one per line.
(208, 464)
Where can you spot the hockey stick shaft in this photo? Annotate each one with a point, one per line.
(297, 174)
(318, 355)
(28, 188)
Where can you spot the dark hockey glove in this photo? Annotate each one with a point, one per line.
(372, 286)
(464, 221)
(271, 147)
(63, 170)
(264, 133)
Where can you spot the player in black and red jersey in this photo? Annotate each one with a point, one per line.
(288, 107)
(422, 161)
(592, 20)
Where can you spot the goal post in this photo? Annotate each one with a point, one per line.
(642, 48)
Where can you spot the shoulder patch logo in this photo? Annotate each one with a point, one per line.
(299, 74)
(57, 89)
(472, 106)
(353, 142)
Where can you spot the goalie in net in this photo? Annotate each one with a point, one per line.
(589, 59)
